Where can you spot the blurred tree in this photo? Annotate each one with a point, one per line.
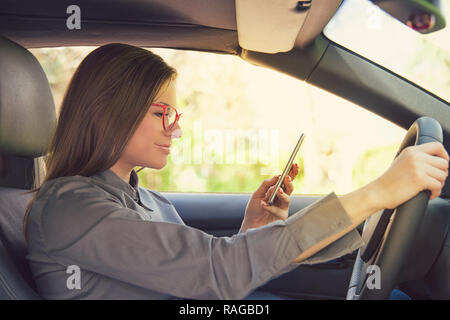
(372, 164)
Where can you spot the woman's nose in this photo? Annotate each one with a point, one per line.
(176, 131)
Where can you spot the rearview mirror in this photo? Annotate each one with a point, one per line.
(424, 16)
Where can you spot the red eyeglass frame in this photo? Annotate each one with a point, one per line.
(177, 115)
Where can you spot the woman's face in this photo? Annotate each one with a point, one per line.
(146, 147)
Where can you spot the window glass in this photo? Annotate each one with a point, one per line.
(424, 59)
(241, 122)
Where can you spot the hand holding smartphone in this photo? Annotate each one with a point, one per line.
(286, 169)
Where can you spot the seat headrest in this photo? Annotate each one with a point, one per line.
(27, 108)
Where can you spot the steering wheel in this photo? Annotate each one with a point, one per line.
(389, 234)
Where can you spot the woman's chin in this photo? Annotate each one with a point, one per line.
(160, 165)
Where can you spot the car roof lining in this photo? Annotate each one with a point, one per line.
(148, 23)
(161, 35)
(219, 14)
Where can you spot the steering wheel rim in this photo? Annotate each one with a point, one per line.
(397, 233)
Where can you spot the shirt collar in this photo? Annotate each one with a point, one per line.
(113, 179)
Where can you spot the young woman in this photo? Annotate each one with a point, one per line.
(93, 233)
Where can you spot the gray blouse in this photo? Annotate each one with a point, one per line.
(100, 237)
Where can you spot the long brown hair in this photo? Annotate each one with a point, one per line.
(106, 99)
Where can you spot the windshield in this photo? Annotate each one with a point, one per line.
(364, 28)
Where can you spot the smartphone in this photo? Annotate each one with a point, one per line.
(286, 169)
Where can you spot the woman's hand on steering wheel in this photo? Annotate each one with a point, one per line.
(416, 168)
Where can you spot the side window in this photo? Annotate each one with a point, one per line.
(240, 123)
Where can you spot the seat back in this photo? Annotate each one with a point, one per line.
(16, 281)
(27, 119)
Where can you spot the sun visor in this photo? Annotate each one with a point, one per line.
(269, 26)
(273, 26)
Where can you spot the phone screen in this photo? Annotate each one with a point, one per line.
(286, 169)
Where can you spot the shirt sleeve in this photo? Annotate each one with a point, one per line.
(83, 225)
(317, 222)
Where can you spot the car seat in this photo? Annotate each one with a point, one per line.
(27, 119)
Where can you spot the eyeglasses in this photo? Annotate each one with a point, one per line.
(170, 116)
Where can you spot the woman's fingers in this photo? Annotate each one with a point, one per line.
(294, 169)
(280, 207)
(288, 185)
(269, 192)
(435, 186)
(274, 210)
(266, 184)
(433, 148)
(417, 168)
(428, 164)
(432, 159)
(435, 180)
(282, 199)
(437, 162)
(438, 174)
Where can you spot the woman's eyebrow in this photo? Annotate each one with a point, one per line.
(164, 103)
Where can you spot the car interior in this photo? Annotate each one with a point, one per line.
(297, 47)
